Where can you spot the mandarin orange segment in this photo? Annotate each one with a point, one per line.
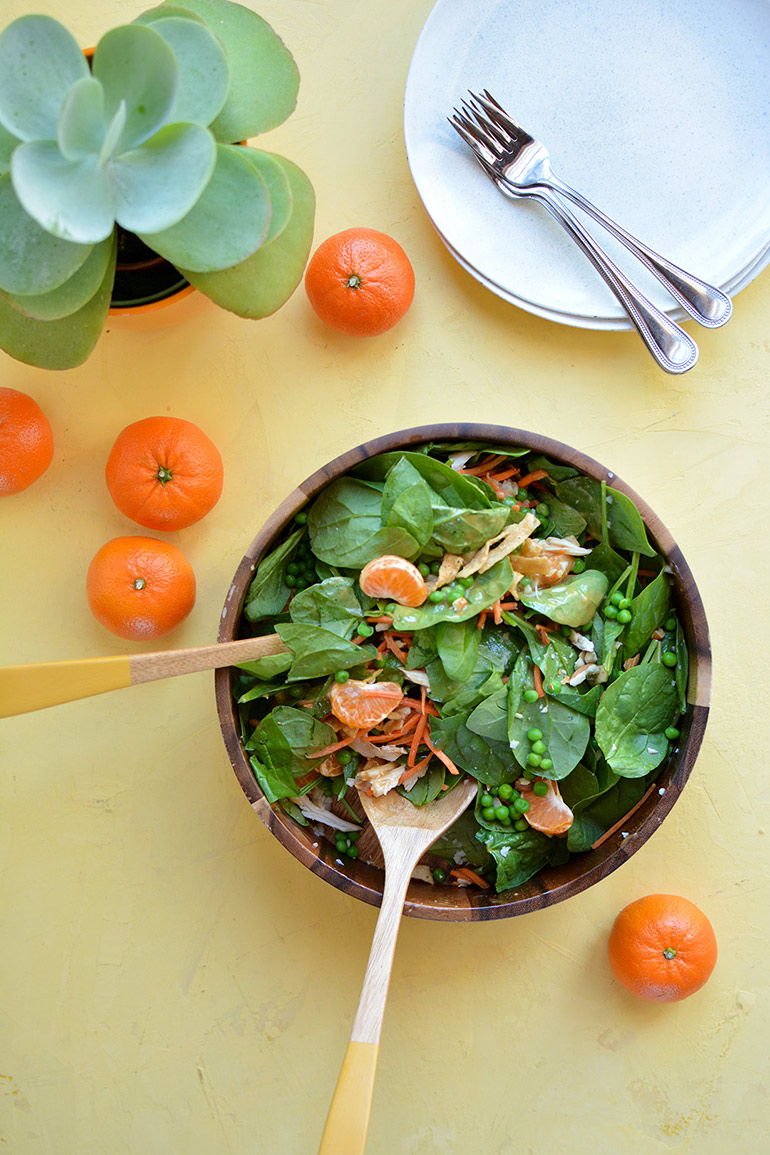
(364, 704)
(394, 578)
(549, 814)
(662, 948)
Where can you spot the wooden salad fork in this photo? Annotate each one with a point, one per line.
(40, 684)
(405, 832)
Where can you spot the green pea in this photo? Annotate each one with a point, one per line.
(341, 845)
(533, 759)
(616, 598)
(538, 747)
(669, 659)
(436, 597)
(488, 813)
(344, 756)
(624, 603)
(424, 569)
(292, 567)
(300, 517)
(487, 800)
(671, 733)
(291, 580)
(502, 812)
(521, 824)
(546, 764)
(521, 805)
(542, 510)
(353, 852)
(526, 583)
(505, 791)
(553, 687)
(435, 566)
(624, 616)
(467, 582)
(439, 875)
(505, 821)
(541, 789)
(365, 630)
(530, 695)
(545, 527)
(579, 565)
(341, 676)
(353, 835)
(670, 624)
(522, 495)
(535, 735)
(610, 611)
(297, 691)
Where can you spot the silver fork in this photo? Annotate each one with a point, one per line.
(673, 349)
(530, 164)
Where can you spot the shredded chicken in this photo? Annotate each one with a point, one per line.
(323, 815)
(569, 545)
(419, 677)
(369, 750)
(379, 777)
(500, 546)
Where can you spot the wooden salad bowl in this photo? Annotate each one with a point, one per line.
(552, 884)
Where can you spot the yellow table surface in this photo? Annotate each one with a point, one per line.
(171, 979)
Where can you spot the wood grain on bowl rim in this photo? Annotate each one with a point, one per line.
(551, 885)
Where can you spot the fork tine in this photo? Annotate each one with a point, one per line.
(479, 127)
(485, 158)
(491, 129)
(478, 133)
(494, 109)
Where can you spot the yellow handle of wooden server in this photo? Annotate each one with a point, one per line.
(41, 684)
(348, 1120)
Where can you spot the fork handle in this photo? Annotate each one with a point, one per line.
(673, 349)
(706, 304)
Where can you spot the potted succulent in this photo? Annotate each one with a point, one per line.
(143, 146)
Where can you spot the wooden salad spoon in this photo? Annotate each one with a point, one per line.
(405, 832)
(40, 684)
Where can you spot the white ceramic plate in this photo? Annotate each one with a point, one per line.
(657, 112)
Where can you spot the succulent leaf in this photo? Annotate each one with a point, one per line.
(266, 280)
(157, 184)
(31, 260)
(61, 344)
(39, 61)
(164, 10)
(278, 188)
(81, 128)
(254, 50)
(135, 64)
(71, 199)
(73, 294)
(8, 143)
(204, 77)
(227, 224)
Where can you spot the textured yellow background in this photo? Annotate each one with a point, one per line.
(171, 980)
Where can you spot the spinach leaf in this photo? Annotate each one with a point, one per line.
(682, 669)
(268, 592)
(556, 470)
(624, 523)
(490, 718)
(281, 741)
(318, 652)
(565, 520)
(458, 843)
(462, 697)
(486, 589)
(346, 530)
(571, 602)
(582, 700)
(427, 788)
(267, 668)
(331, 603)
(262, 690)
(520, 855)
(555, 659)
(490, 762)
(500, 646)
(407, 501)
(596, 816)
(454, 489)
(460, 531)
(648, 611)
(604, 558)
(565, 733)
(457, 644)
(422, 650)
(632, 717)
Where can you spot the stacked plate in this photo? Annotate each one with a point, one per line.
(656, 112)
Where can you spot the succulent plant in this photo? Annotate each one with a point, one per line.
(147, 139)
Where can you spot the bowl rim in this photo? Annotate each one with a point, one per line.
(364, 881)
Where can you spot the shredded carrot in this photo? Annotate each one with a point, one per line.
(542, 633)
(538, 681)
(608, 833)
(505, 474)
(382, 619)
(442, 757)
(382, 648)
(497, 488)
(334, 747)
(410, 770)
(306, 778)
(483, 466)
(394, 647)
(417, 739)
(407, 728)
(482, 620)
(509, 605)
(497, 616)
(431, 710)
(537, 475)
(469, 875)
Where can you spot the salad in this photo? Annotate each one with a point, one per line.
(463, 608)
